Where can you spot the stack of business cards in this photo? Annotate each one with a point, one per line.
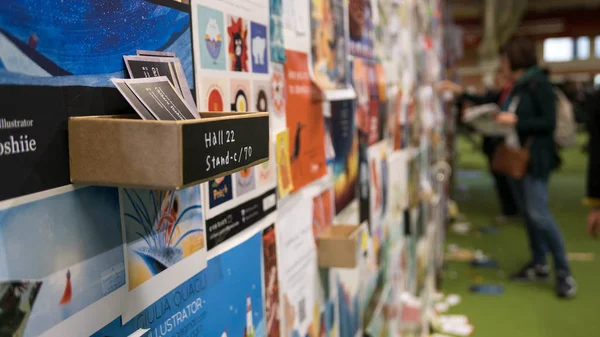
(154, 98)
(147, 64)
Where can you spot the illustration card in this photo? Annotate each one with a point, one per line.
(238, 49)
(323, 211)
(164, 232)
(215, 94)
(240, 95)
(278, 97)
(220, 190)
(160, 98)
(260, 53)
(284, 174)
(245, 181)
(276, 31)
(328, 43)
(265, 172)
(261, 96)
(211, 30)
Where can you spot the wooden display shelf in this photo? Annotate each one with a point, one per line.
(126, 151)
(338, 246)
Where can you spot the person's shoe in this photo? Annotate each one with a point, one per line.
(503, 219)
(566, 287)
(532, 272)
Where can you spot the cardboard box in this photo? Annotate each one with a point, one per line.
(338, 246)
(126, 151)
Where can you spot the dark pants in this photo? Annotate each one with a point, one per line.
(501, 182)
(542, 230)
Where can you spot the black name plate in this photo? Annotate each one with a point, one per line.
(223, 146)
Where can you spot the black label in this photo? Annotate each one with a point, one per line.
(231, 222)
(33, 132)
(215, 148)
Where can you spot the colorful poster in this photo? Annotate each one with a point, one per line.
(240, 96)
(212, 46)
(164, 233)
(78, 253)
(215, 94)
(245, 181)
(298, 267)
(272, 308)
(362, 32)
(265, 172)
(323, 211)
(304, 118)
(237, 34)
(220, 191)
(328, 43)
(284, 173)
(278, 98)
(262, 96)
(276, 32)
(225, 299)
(345, 144)
(260, 53)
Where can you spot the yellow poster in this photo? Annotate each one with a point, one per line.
(284, 172)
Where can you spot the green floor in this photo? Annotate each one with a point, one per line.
(528, 310)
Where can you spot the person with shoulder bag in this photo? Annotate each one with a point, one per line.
(529, 157)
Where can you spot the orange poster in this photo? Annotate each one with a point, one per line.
(304, 119)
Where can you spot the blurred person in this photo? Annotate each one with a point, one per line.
(593, 173)
(534, 120)
(497, 94)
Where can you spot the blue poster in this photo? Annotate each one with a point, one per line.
(72, 242)
(276, 31)
(223, 300)
(212, 46)
(259, 44)
(81, 42)
(219, 190)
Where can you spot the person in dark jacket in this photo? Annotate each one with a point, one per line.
(534, 120)
(593, 173)
(498, 94)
